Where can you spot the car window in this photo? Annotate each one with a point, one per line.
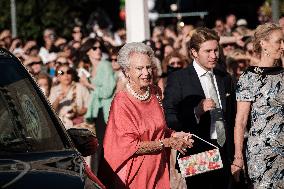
(25, 122)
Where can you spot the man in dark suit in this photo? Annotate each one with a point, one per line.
(201, 99)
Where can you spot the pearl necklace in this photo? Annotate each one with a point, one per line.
(136, 95)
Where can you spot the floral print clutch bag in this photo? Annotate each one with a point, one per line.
(200, 163)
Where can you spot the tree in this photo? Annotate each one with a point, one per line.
(33, 16)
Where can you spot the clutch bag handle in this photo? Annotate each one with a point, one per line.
(201, 140)
(204, 141)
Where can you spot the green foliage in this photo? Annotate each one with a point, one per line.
(4, 14)
(33, 16)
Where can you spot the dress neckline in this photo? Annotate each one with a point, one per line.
(266, 70)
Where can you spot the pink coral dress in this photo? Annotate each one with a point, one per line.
(130, 122)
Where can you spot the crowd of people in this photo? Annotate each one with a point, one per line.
(145, 99)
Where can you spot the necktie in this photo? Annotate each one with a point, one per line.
(216, 114)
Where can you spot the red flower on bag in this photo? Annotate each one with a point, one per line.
(213, 165)
(211, 152)
(186, 158)
(190, 170)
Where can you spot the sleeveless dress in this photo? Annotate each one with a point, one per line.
(264, 88)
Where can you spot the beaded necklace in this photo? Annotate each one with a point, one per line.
(136, 95)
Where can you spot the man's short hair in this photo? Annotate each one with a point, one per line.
(201, 35)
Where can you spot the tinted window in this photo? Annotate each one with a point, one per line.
(25, 122)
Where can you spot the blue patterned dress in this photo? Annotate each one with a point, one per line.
(264, 88)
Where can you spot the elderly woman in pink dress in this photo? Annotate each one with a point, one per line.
(137, 139)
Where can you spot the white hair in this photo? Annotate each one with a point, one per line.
(135, 47)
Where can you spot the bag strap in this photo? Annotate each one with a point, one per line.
(204, 141)
(201, 140)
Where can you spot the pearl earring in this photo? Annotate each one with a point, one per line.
(266, 53)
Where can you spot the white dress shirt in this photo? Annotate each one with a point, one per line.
(204, 80)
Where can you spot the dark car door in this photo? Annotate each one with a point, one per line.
(35, 150)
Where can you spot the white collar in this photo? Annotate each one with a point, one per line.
(199, 70)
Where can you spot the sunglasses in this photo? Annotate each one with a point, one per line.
(61, 63)
(95, 48)
(228, 44)
(113, 59)
(33, 63)
(60, 72)
(175, 63)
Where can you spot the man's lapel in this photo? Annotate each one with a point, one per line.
(196, 85)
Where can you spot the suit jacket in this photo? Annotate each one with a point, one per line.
(183, 93)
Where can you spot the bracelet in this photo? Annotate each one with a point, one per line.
(238, 157)
(237, 166)
(162, 144)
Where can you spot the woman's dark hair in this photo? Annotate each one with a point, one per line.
(113, 51)
(89, 44)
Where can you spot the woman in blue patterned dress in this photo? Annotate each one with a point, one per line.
(260, 93)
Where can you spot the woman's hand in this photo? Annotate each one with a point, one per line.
(236, 168)
(29, 44)
(178, 143)
(59, 98)
(84, 81)
(185, 136)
